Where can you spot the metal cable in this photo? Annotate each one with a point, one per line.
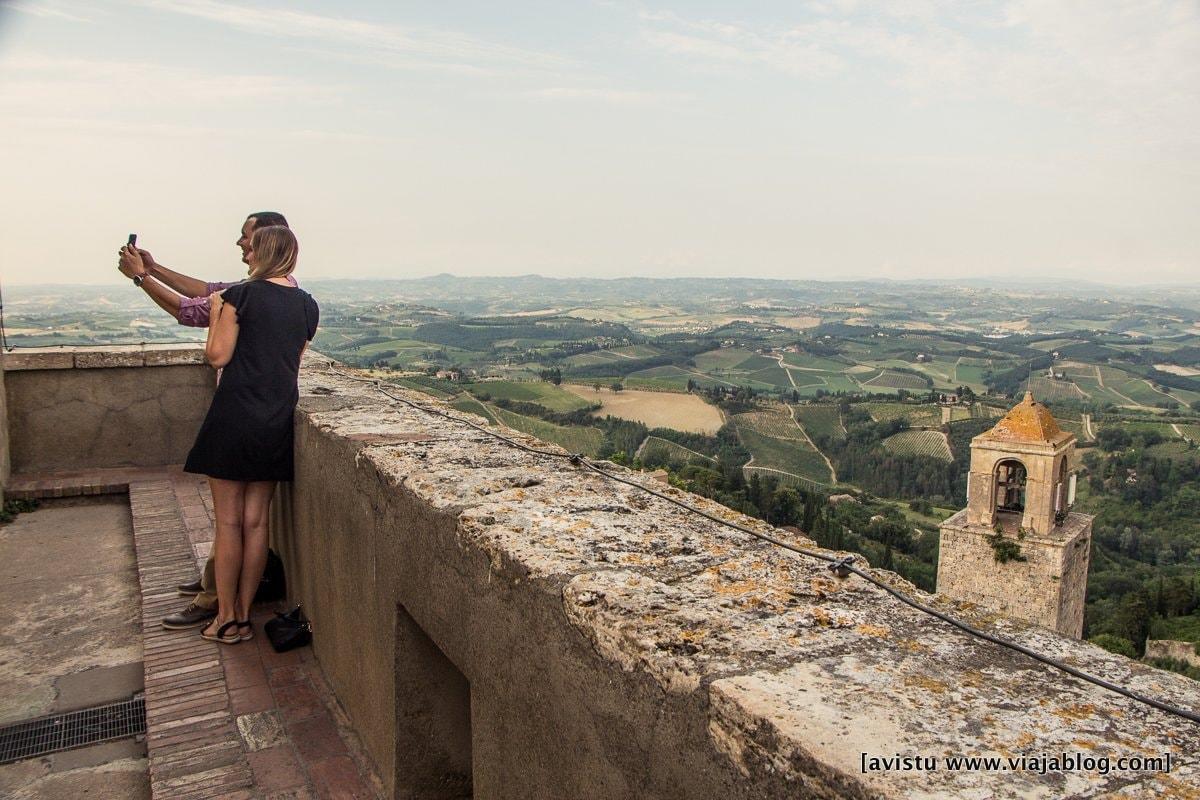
(840, 565)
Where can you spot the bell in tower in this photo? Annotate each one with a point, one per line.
(1017, 548)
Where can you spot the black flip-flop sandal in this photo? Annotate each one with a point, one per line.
(249, 633)
(221, 638)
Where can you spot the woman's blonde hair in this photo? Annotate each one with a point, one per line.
(275, 250)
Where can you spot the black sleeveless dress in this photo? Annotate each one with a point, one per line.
(247, 435)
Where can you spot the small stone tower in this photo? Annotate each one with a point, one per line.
(1017, 548)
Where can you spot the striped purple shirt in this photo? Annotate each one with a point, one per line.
(193, 311)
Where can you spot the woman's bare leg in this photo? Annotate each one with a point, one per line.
(256, 510)
(228, 501)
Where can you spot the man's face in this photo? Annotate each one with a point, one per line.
(244, 240)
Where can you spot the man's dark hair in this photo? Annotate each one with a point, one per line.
(264, 218)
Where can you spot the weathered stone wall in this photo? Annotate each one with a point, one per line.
(88, 408)
(1072, 583)
(1167, 648)
(503, 620)
(5, 464)
(1047, 588)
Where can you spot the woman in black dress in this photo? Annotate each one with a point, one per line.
(258, 330)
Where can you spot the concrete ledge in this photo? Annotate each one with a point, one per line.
(103, 356)
(505, 622)
(80, 483)
(88, 408)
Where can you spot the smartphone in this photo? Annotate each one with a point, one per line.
(132, 240)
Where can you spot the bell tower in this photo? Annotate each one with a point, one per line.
(1017, 548)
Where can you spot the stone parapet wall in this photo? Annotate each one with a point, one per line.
(98, 407)
(1168, 648)
(507, 623)
(5, 463)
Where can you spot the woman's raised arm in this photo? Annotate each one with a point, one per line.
(222, 331)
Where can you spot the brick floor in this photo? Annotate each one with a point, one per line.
(227, 721)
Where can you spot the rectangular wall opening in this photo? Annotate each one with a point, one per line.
(433, 718)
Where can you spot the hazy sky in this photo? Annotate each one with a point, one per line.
(827, 139)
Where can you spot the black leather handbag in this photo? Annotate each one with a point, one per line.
(288, 630)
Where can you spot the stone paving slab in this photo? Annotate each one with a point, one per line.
(235, 722)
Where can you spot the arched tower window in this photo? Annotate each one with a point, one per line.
(1010, 486)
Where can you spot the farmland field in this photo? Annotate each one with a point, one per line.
(593, 357)
(969, 376)
(1185, 396)
(970, 371)
(1176, 450)
(635, 351)
(392, 344)
(788, 455)
(724, 358)
(1071, 426)
(1140, 391)
(657, 450)
(919, 443)
(1098, 393)
(676, 377)
(473, 406)
(784, 478)
(780, 426)
(667, 385)
(917, 415)
(1050, 345)
(772, 375)
(974, 411)
(823, 420)
(435, 387)
(803, 361)
(895, 380)
(804, 378)
(940, 370)
(1163, 429)
(1073, 369)
(682, 412)
(834, 382)
(573, 438)
(544, 394)
(1047, 391)
(756, 362)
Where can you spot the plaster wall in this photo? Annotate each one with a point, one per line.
(82, 409)
(502, 622)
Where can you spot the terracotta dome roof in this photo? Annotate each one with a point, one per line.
(1028, 421)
